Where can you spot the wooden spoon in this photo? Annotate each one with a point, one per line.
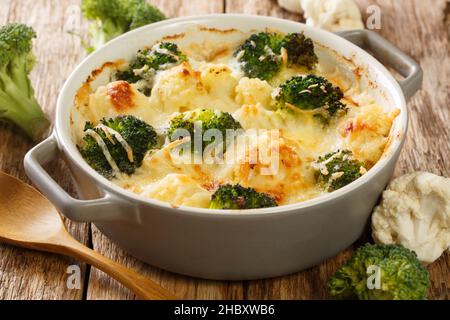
(29, 220)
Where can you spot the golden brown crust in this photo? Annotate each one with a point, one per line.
(220, 31)
(82, 94)
(113, 65)
(121, 95)
(174, 36)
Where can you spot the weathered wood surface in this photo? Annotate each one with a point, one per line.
(25, 274)
(418, 27)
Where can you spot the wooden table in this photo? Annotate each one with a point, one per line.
(420, 28)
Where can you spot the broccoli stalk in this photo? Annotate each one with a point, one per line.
(17, 101)
(401, 277)
(111, 18)
(237, 197)
(100, 32)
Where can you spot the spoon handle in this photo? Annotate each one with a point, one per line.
(143, 287)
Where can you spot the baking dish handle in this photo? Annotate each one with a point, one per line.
(108, 208)
(389, 55)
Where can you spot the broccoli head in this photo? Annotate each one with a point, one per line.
(203, 120)
(337, 169)
(402, 277)
(259, 55)
(92, 152)
(237, 197)
(126, 139)
(111, 18)
(143, 68)
(300, 50)
(141, 14)
(17, 101)
(312, 93)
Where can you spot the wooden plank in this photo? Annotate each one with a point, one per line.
(25, 274)
(421, 30)
(103, 287)
(5, 5)
(261, 7)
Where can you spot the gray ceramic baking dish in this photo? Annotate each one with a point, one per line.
(220, 244)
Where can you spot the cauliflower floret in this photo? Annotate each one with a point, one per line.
(176, 157)
(118, 98)
(269, 162)
(183, 88)
(257, 117)
(253, 91)
(178, 189)
(300, 127)
(415, 212)
(332, 15)
(179, 89)
(366, 131)
(218, 81)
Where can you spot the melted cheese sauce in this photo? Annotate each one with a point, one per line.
(219, 85)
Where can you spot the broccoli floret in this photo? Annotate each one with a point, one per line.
(312, 93)
(17, 101)
(259, 56)
(143, 68)
(137, 134)
(237, 197)
(93, 154)
(141, 14)
(111, 18)
(160, 56)
(337, 169)
(402, 276)
(203, 119)
(300, 50)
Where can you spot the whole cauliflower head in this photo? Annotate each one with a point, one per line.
(415, 212)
